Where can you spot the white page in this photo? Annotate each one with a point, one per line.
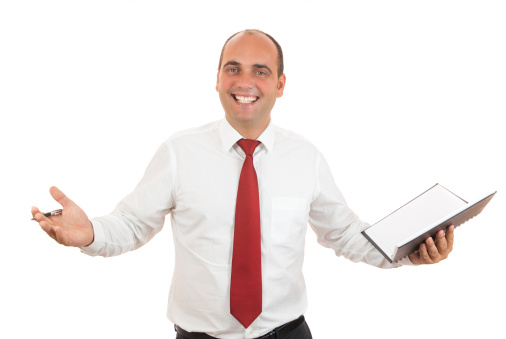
(417, 215)
(445, 218)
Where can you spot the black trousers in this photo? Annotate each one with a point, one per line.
(301, 332)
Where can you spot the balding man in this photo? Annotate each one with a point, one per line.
(240, 193)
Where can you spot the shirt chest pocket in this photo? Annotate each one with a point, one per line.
(289, 218)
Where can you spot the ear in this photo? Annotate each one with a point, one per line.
(217, 80)
(281, 85)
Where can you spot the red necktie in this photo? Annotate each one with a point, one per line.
(246, 281)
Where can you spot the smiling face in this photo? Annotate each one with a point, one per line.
(248, 83)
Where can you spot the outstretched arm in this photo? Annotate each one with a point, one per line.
(71, 228)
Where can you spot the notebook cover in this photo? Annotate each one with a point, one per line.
(456, 220)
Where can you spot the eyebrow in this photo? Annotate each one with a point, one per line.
(231, 63)
(262, 66)
(235, 63)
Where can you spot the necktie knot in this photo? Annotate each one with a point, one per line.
(248, 145)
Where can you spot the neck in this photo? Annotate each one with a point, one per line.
(249, 130)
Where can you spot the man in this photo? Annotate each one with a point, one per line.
(240, 193)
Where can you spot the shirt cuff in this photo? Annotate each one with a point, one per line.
(98, 239)
(406, 261)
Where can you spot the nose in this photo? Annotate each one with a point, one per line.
(246, 81)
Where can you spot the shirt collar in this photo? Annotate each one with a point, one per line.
(267, 137)
(229, 136)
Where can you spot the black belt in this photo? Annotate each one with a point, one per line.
(277, 333)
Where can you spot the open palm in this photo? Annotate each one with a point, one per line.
(71, 228)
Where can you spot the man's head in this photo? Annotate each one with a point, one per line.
(280, 64)
(249, 80)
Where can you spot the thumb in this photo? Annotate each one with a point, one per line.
(60, 197)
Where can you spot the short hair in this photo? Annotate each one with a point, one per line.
(257, 31)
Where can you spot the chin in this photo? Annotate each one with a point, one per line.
(244, 118)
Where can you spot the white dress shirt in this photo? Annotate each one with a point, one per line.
(194, 177)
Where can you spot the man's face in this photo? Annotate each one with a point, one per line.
(248, 83)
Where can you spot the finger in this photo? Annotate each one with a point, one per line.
(46, 227)
(432, 250)
(415, 257)
(441, 242)
(450, 235)
(424, 255)
(60, 197)
(39, 217)
(34, 211)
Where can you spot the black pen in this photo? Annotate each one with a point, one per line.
(48, 214)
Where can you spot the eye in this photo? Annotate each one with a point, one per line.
(232, 70)
(261, 73)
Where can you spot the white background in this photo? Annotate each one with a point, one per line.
(398, 95)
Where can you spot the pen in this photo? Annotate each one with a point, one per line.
(48, 214)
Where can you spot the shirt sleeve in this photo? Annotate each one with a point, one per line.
(337, 227)
(141, 214)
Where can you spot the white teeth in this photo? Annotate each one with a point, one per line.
(245, 100)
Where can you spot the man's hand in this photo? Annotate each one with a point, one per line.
(432, 253)
(71, 228)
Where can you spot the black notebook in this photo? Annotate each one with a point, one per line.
(401, 232)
